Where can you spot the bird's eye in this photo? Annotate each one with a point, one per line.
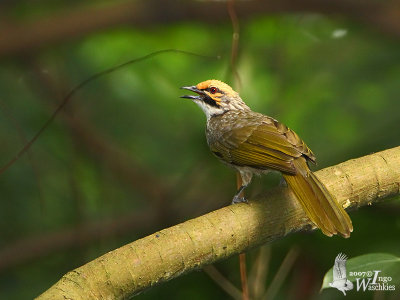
(213, 90)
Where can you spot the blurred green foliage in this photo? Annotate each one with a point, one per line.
(339, 94)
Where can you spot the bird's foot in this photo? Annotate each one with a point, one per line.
(283, 182)
(238, 199)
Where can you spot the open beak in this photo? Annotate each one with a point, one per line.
(192, 88)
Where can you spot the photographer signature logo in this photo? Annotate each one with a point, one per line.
(340, 280)
(365, 280)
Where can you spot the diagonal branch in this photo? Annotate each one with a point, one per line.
(185, 247)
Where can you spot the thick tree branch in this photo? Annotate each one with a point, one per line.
(25, 37)
(228, 231)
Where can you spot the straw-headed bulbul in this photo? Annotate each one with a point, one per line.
(254, 143)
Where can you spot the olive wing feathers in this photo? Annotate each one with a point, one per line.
(260, 142)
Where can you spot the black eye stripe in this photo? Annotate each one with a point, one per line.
(210, 101)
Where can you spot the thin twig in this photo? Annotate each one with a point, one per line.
(243, 276)
(223, 282)
(235, 42)
(282, 273)
(78, 87)
(7, 114)
(259, 271)
(242, 256)
(100, 146)
(234, 54)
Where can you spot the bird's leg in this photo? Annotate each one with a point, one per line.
(246, 179)
(238, 198)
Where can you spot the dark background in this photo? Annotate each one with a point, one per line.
(127, 156)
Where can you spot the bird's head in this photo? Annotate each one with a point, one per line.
(215, 97)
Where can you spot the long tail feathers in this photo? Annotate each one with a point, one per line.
(320, 206)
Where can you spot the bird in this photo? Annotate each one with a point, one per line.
(253, 143)
(340, 280)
